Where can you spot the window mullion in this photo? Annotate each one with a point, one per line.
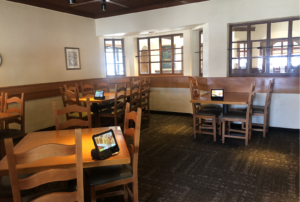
(149, 53)
(248, 52)
(268, 49)
(289, 48)
(160, 54)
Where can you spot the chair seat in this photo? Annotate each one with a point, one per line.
(103, 175)
(235, 115)
(112, 111)
(8, 133)
(208, 113)
(76, 114)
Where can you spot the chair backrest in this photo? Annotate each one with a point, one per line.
(269, 94)
(194, 92)
(250, 100)
(276, 69)
(145, 92)
(72, 88)
(120, 98)
(52, 175)
(135, 89)
(1, 102)
(102, 86)
(15, 110)
(87, 89)
(72, 122)
(134, 133)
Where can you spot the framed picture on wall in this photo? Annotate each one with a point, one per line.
(72, 58)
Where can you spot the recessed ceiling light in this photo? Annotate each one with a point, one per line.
(118, 34)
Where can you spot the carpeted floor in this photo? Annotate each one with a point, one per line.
(175, 167)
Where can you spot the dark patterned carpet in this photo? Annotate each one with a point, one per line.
(175, 167)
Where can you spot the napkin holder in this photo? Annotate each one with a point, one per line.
(101, 155)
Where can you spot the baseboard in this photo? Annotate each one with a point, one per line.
(170, 113)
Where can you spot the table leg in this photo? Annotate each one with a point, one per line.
(225, 110)
(95, 110)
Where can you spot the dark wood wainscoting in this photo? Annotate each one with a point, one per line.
(230, 84)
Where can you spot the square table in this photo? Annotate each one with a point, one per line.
(67, 137)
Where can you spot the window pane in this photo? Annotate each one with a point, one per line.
(239, 63)
(166, 55)
(154, 43)
(295, 61)
(155, 68)
(257, 49)
(239, 33)
(120, 69)
(166, 42)
(279, 47)
(177, 67)
(167, 68)
(296, 28)
(258, 65)
(118, 44)
(278, 64)
(178, 57)
(109, 57)
(144, 68)
(119, 55)
(296, 47)
(108, 45)
(143, 44)
(178, 41)
(144, 56)
(110, 69)
(155, 57)
(258, 31)
(279, 30)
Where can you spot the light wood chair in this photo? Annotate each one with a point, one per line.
(145, 99)
(118, 109)
(103, 178)
(72, 88)
(47, 176)
(135, 89)
(240, 116)
(276, 69)
(72, 98)
(202, 126)
(2, 108)
(74, 122)
(264, 111)
(102, 86)
(15, 133)
(87, 89)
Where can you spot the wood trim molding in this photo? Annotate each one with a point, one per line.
(230, 84)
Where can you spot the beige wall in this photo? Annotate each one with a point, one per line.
(32, 42)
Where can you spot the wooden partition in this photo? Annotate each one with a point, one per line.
(230, 84)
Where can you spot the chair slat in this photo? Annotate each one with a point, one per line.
(14, 110)
(130, 132)
(44, 151)
(74, 122)
(13, 100)
(71, 108)
(47, 176)
(57, 197)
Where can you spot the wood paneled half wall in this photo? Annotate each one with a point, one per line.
(229, 84)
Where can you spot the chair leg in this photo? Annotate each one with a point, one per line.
(2, 149)
(214, 128)
(250, 127)
(195, 125)
(265, 126)
(148, 111)
(246, 134)
(125, 194)
(93, 194)
(220, 125)
(223, 131)
(116, 120)
(135, 191)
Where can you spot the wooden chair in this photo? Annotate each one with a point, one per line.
(1, 108)
(87, 89)
(71, 98)
(52, 175)
(264, 111)
(72, 88)
(203, 115)
(118, 107)
(102, 178)
(135, 89)
(240, 116)
(145, 99)
(102, 86)
(72, 122)
(276, 69)
(15, 133)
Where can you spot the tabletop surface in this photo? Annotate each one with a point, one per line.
(229, 98)
(6, 116)
(67, 137)
(108, 96)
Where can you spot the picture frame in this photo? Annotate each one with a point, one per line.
(72, 58)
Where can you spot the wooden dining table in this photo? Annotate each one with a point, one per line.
(109, 96)
(67, 137)
(230, 98)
